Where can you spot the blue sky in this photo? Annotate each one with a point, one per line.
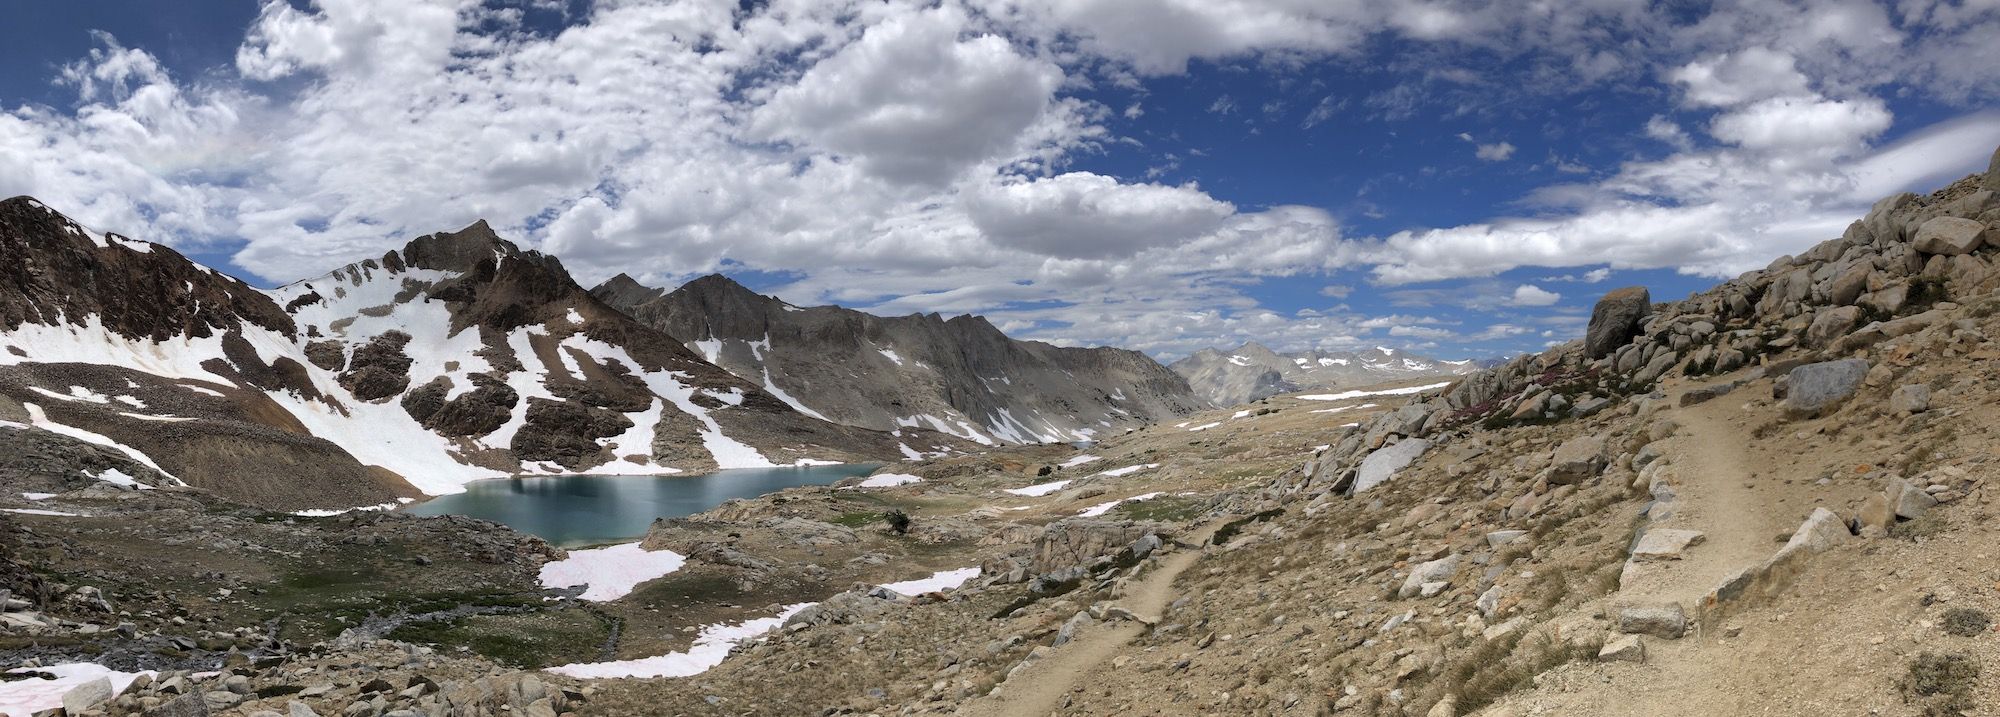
(1457, 178)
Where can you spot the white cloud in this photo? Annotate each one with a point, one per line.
(1798, 124)
(1498, 152)
(1531, 295)
(1079, 215)
(912, 100)
(1735, 78)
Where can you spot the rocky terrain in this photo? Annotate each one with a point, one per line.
(959, 376)
(455, 358)
(1253, 371)
(1767, 498)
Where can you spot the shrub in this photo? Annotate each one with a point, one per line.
(898, 520)
(1965, 621)
(1941, 684)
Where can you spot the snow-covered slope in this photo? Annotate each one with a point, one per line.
(960, 376)
(456, 358)
(1252, 371)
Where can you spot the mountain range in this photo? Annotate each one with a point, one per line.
(960, 376)
(1253, 371)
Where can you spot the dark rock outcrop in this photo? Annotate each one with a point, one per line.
(1615, 320)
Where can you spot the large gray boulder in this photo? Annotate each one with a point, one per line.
(1949, 236)
(1993, 172)
(87, 696)
(1615, 320)
(1813, 388)
(1577, 459)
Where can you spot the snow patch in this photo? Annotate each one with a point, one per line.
(1077, 461)
(21, 698)
(327, 512)
(1040, 489)
(1205, 426)
(887, 480)
(38, 511)
(1127, 470)
(612, 572)
(1347, 395)
(939, 581)
(710, 648)
(1102, 508)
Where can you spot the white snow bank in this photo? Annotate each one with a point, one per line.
(38, 511)
(1102, 508)
(38, 496)
(118, 478)
(1040, 489)
(1077, 461)
(887, 480)
(1127, 470)
(1245, 413)
(709, 650)
(1337, 409)
(1346, 395)
(1381, 465)
(611, 572)
(21, 698)
(940, 580)
(1205, 426)
(325, 512)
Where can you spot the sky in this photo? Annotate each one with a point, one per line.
(1461, 179)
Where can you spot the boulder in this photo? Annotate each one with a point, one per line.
(1908, 501)
(1665, 544)
(1830, 324)
(1813, 388)
(1849, 285)
(1498, 538)
(87, 696)
(1993, 172)
(1666, 620)
(1911, 398)
(1615, 320)
(1949, 236)
(1577, 459)
(1624, 648)
(1435, 571)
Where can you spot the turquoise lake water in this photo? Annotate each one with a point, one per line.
(588, 509)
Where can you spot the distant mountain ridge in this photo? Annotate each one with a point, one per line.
(961, 375)
(1253, 371)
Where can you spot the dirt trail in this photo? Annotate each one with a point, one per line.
(1040, 688)
(1742, 493)
(1720, 491)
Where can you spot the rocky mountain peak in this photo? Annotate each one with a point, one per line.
(459, 251)
(60, 271)
(626, 289)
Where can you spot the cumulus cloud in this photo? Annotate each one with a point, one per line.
(1079, 215)
(912, 100)
(1531, 295)
(1497, 152)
